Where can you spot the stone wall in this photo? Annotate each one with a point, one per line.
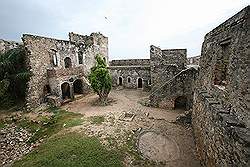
(171, 78)
(193, 60)
(7, 45)
(221, 117)
(55, 62)
(130, 76)
(180, 86)
(165, 64)
(95, 43)
(130, 62)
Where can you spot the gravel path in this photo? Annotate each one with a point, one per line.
(158, 122)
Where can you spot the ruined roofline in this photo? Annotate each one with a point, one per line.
(44, 37)
(129, 59)
(183, 49)
(174, 50)
(10, 41)
(91, 35)
(130, 67)
(62, 40)
(242, 15)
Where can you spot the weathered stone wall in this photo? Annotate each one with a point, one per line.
(130, 76)
(193, 60)
(54, 62)
(165, 64)
(130, 62)
(181, 85)
(221, 117)
(91, 45)
(7, 45)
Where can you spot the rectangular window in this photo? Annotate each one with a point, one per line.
(80, 58)
(221, 66)
(54, 57)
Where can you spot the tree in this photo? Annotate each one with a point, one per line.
(100, 79)
(13, 75)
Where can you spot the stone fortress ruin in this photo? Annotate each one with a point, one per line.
(59, 68)
(166, 75)
(214, 85)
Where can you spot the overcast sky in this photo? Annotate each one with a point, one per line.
(131, 25)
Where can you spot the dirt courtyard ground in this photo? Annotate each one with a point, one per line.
(157, 137)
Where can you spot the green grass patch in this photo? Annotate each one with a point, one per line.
(2, 125)
(73, 122)
(97, 119)
(71, 150)
(50, 125)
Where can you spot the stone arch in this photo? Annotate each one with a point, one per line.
(129, 79)
(67, 62)
(78, 86)
(120, 81)
(65, 87)
(139, 83)
(180, 103)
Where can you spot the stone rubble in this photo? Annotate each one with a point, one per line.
(14, 144)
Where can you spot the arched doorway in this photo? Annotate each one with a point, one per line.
(139, 85)
(67, 62)
(46, 90)
(120, 81)
(78, 87)
(180, 103)
(65, 90)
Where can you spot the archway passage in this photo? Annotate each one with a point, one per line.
(180, 103)
(120, 81)
(67, 62)
(65, 90)
(139, 83)
(78, 86)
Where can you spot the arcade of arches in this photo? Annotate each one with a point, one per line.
(68, 92)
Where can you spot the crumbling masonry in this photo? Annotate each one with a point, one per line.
(59, 67)
(218, 93)
(166, 75)
(215, 85)
(221, 110)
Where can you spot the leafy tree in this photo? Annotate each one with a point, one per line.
(100, 79)
(13, 76)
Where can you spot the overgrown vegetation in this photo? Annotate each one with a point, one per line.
(71, 150)
(97, 120)
(100, 79)
(45, 126)
(13, 77)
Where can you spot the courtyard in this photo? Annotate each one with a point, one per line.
(146, 136)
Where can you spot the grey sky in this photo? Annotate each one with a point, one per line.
(131, 25)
